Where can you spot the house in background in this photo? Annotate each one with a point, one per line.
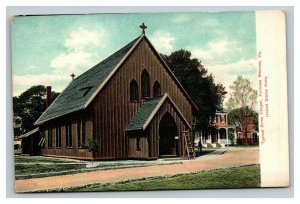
(17, 123)
(249, 127)
(219, 136)
(130, 102)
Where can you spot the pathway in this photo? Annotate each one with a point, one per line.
(235, 156)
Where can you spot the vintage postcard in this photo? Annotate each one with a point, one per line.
(149, 101)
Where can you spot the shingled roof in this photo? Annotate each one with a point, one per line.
(147, 111)
(82, 90)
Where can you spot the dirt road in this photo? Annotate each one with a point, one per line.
(235, 156)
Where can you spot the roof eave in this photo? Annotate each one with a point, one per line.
(136, 129)
(37, 122)
(171, 73)
(29, 133)
(153, 113)
(111, 74)
(67, 112)
(156, 109)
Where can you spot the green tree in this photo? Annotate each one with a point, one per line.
(242, 94)
(242, 97)
(30, 105)
(200, 86)
(235, 117)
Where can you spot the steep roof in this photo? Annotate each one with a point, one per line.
(80, 90)
(147, 111)
(83, 89)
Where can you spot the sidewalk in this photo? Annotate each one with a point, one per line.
(235, 156)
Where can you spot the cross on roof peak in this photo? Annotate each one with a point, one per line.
(73, 76)
(143, 27)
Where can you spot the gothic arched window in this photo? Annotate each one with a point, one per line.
(145, 84)
(133, 91)
(156, 89)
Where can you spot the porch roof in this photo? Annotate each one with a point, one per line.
(29, 133)
(147, 111)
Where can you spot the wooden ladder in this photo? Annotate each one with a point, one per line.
(188, 145)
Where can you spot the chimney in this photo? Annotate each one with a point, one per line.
(48, 96)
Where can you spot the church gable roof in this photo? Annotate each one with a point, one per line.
(80, 90)
(148, 110)
(83, 89)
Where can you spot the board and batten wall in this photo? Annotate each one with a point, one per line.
(112, 109)
(154, 130)
(73, 151)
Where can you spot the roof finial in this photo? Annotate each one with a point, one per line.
(73, 76)
(143, 27)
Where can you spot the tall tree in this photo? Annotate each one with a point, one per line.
(242, 97)
(200, 86)
(30, 105)
(242, 94)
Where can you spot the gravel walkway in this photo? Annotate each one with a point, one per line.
(235, 156)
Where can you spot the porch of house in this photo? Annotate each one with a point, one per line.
(218, 139)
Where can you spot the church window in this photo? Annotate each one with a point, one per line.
(58, 136)
(133, 91)
(145, 84)
(156, 89)
(68, 134)
(50, 138)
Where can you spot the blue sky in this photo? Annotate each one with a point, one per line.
(47, 49)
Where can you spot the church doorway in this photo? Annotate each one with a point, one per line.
(167, 133)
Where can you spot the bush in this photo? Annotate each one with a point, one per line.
(92, 145)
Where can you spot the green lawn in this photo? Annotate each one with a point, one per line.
(21, 169)
(237, 177)
(28, 165)
(37, 159)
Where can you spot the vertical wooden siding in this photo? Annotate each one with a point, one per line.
(63, 151)
(154, 129)
(113, 109)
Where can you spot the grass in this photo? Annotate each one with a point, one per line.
(40, 159)
(237, 177)
(29, 165)
(21, 169)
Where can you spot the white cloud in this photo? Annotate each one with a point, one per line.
(201, 54)
(221, 47)
(81, 54)
(227, 73)
(72, 62)
(22, 83)
(163, 41)
(217, 51)
(82, 38)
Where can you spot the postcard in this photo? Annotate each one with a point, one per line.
(150, 101)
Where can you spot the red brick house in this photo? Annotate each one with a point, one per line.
(248, 127)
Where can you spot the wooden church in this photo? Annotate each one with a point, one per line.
(130, 102)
